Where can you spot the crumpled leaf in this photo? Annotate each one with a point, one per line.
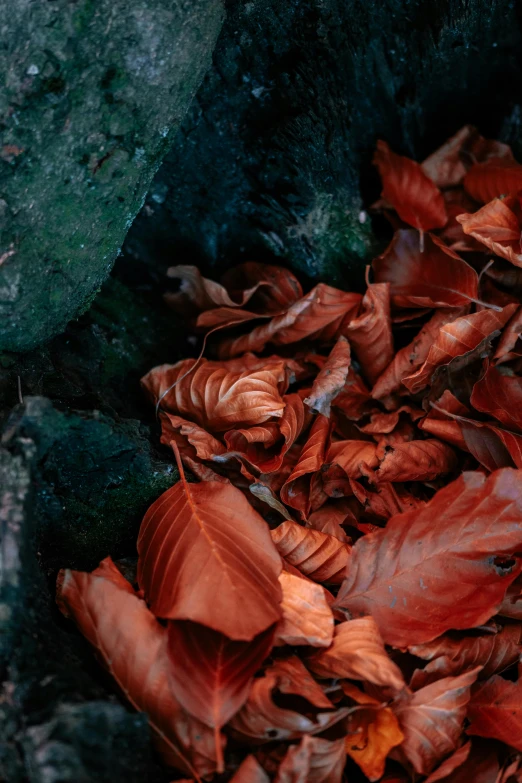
(319, 556)
(458, 339)
(408, 359)
(507, 344)
(436, 277)
(494, 178)
(432, 719)
(347, 457)
(314, 760)
(450, 764)
(210, 674)
(370, 333)
(331, 378)
(307, 617)
(357, 653)
(216, 397)
(498, 226)
(416, 460)
(132, 646)
(205, 555)
(262, 719)
(317, 315)
(295, 766)
(372, 733)
(500, 396)
(296, 489)
(250, 771)
(496, 711)
(330, 517)
(444, 566)
(415, 198)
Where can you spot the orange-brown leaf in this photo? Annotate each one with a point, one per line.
(357, 653)
(250, 771)
(499, 396)
(296, 490)
(330, 379)
(307, 617)
(319, 556)
(495, 711)
(370, 333)
(497, 226)
(415, 198)
(416, 460)
(494, 178)
(205, 555)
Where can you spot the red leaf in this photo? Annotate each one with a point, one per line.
(331, 378)
(205, 555)
(408, 359)
(307, 617)
(416, 460)
(416, 199)
(250, 771)
(450, 764)
(506, 348)
(132, 646)
(432, 719)
(494, 178)
(436, 423)
(491, 446)
(357, 653)
(501, 396)
(498, 226)
(458, 339)
(211, 674)
(296, 764)
(440, 567)
(370, 333)
(436, 277)
(330, 517)
(480, 766)
(279, 287)
(348, 456)
(495, 711)
(296, 490)
(327, 760)
(318, 315)
(319, 556)
(354, 400)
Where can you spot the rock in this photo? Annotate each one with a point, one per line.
(92, 97)
(94, 478)
(274, 156)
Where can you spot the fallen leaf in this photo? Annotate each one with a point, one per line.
(498, 226)
(500, 396)
(295, 766)
(296, 489)
(370, 333)
(250, 771)
(357, 653)
(494, 178)
(495, 711)
(205, 555)
(416, 460)
(331, 378)
(450, 764)
(431, 720)
(444, 566)
(415, 198)
(319, 556)
(307, 617)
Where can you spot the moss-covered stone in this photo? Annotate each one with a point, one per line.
(92, 95)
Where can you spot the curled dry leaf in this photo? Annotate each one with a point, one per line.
(416, 460)
(357, 653)
(415, 198)
(331, 378)
(373, 731)
(431, 720)
(494, 178)
(499, 396)
(408, 359)
(319, 556)
(295, 766)
(458, 339)
(498, 226)
(296, 490)
(307, 617)
(507, 344)
(330, 517)
(210, 674)
(496, 711)
(318, 315)
(250, 771)
(354, 400)
(436, 277)
(370, 333)
(450, 764)
(418, 578)
(349, 457)
(132, 646)
(205, 555)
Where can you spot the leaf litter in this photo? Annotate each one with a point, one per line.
(338, 595)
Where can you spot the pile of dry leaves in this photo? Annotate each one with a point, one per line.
(338, 596)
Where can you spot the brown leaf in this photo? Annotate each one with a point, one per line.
(296, 490)
(500, 396)
(506, 348)
(211, 674)
(436, 277)
(495, 711)
(416, 460)
(444, 566)
(370, 333)
(319, 556)
(330, 517)
(450, 764)
(497, 226)
(416, 199)
(296, 764)
(431, 720)
(357, 653)
(494, 178)
(349, 456)
(250, 771)
(458, 339)
(205, 555)
(354, 400)
(307, 617)
(331, 378)
(132, 646)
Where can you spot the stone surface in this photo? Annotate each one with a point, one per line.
(274, 156)
(92, 95)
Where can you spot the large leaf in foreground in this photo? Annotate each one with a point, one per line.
(205, 555)
(444, 566)
(132, 645)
